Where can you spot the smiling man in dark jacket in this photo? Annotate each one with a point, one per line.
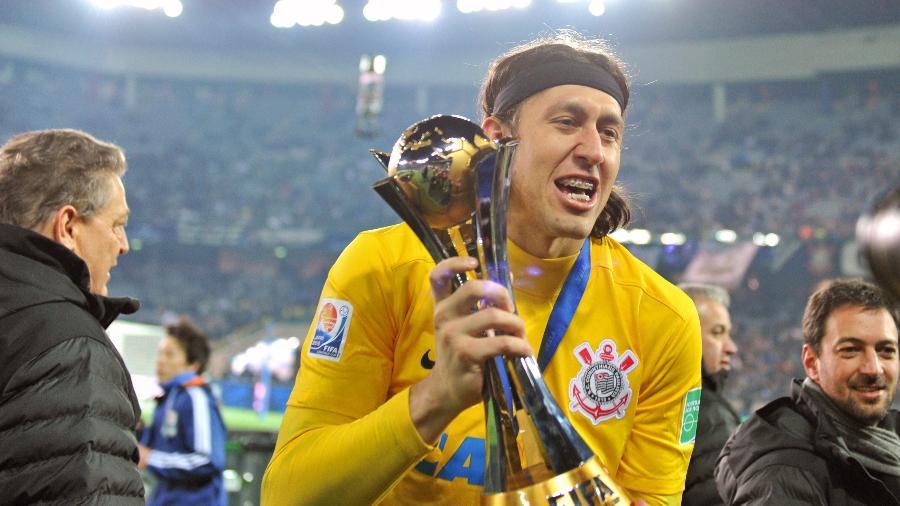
(834, 440)
(67, 406)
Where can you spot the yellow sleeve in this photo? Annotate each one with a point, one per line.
(656, 456)
(328, 459)
(345, 437)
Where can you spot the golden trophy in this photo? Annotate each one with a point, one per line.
(450, 183)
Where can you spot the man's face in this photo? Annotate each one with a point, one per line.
(100, 238)
(171, 360)
(715, 329)
(857, 365)
(570, 138)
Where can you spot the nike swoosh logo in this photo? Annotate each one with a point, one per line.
(426, 362)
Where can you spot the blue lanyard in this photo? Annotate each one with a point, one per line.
(565, 306)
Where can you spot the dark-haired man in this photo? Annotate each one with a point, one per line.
(185, 446)
(834, 440)
(67, 406)
(371, 420)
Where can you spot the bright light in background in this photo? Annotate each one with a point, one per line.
(288, 13)
(467, 6)
(379, 64)
(383, 10)
(597, 7)
(277, 356)
(171, 8)
(771, 240)
(640, 236)
(621, 236)
(726, 236)
(672, 238)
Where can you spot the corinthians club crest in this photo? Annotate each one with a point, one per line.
(601, 391)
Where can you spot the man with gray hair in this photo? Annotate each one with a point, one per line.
(717, 417)
(67, 406)
(835, 440)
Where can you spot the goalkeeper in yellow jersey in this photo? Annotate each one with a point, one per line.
(387, 404)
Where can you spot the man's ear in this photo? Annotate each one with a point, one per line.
(61, 227)
(810, 363)
(494, 128)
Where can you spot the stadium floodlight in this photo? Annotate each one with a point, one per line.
(287, 13)
(772, 240)
(725, 235)
(597, 7)
(640, 236)
(407, 10)
(171, 8)
(467, 6)
(759, 239)
(672, 239)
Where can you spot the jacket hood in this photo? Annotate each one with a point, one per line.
(38, 270)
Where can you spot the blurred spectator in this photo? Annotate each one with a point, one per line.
(717, 417)
(184, 448)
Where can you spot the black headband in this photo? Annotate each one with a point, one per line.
(550, 74)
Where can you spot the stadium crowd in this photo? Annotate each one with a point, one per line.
(243, 194)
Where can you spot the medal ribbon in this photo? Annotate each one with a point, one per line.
(565, 305)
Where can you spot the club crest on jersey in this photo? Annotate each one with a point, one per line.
(601, 391)
(331, 329)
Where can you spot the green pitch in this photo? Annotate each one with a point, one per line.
(236, 419)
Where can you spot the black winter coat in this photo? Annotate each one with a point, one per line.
(788, 454)
(67, 406)
(717, 421)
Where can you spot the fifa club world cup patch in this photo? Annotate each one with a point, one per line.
(691, 416)
(601, 391)
(331, 329)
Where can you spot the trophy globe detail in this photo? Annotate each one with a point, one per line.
(434, 163)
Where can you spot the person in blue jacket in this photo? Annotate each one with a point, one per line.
(185, 446)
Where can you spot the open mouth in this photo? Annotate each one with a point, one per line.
(577, 189)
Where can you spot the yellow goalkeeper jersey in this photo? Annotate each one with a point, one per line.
(347, 436)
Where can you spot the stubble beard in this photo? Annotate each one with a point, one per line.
(867, 414)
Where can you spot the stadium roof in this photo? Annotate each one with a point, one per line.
(244, 24)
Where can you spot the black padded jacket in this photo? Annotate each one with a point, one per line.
(67, 406)
(789, 454)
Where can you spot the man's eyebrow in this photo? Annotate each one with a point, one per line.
(576, 109)
(613, 120)
(857, 341)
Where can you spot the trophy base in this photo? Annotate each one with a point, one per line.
(587, 484)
